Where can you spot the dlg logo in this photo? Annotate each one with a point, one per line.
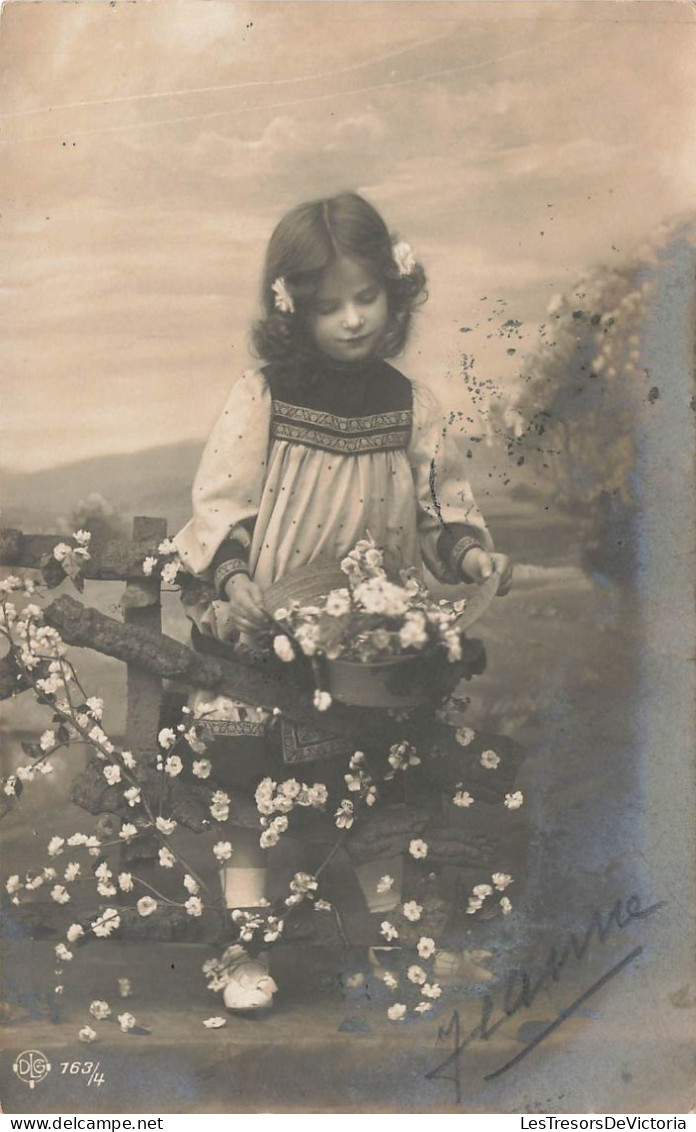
(31, 1067)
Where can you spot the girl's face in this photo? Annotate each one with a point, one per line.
(349, 313)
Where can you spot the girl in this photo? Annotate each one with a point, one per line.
(323, 443)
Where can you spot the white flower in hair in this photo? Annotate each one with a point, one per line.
(403, 257)
(283, 299)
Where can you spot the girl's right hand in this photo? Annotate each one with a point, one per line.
(244, 607)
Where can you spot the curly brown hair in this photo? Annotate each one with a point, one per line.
(304, 244)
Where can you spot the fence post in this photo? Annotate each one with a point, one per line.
(143, 608)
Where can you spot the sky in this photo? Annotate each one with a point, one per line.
(148, 149)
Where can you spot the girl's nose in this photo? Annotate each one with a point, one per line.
(352, 319)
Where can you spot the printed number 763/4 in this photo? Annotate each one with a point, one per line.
(89, 1069)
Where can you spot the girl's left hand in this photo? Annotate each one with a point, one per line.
(479, 565)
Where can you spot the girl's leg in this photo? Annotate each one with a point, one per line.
(243, 878)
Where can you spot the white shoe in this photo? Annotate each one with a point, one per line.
(464, 966)
(249, 985)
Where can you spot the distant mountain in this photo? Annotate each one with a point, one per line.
(154, 481)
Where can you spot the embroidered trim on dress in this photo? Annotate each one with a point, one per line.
(314, 438)
(303, 743)
(227, 570)
(393, 419)
(232, 726)
(460, 549)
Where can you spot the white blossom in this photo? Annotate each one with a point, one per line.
(165, 825)
(418, 848)
(13, 884)
(389, 980)
(413, 911)
(125, 882)
(87, 1034)
(501, 880)
(344, 815)
(107, 923)
(74, 932)
(396, 1012)
(127, 831)
(489, 759)
(112, 774)
(166, 738)
(425, 947)
(170, 571)
(222, 850)
(282, 299)
(190, 884)
(167, 859)
(132, 794)
(463, 798)
(202, 768)
(321, 700)
(465, 736)
(60, 894)
(62, 952)
(47, 741)
(505, 905)
(194, 906)
(388, 931)
(416, 974)
(431, 990)
(146, 905)
(304, 883)
(338, 603)
(173, 766)
(269, 838)
(482, 890)
(149, 565)
(404, 258)
(96, 706)
(514, 801)
(214, 1023)
(55, 846)
(126, 1022)
(99, 1009)
(72, 871)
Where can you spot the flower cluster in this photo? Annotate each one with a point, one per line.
(359, 780)
(72, 559)
(373, 617)
(481, 892)
(166, 562)
(274, 801)
(401, 756)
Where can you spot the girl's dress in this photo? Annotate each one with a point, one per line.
(294, 471)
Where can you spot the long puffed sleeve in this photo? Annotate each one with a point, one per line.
(449, 522)
(228, 484)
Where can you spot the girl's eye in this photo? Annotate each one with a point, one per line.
(325, 308)
(368, 297)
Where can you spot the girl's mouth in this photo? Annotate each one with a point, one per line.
(355, 341)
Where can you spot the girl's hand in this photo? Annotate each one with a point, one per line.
(479, 565)
(244, 610)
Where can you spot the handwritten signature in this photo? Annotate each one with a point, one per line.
(521, 988)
